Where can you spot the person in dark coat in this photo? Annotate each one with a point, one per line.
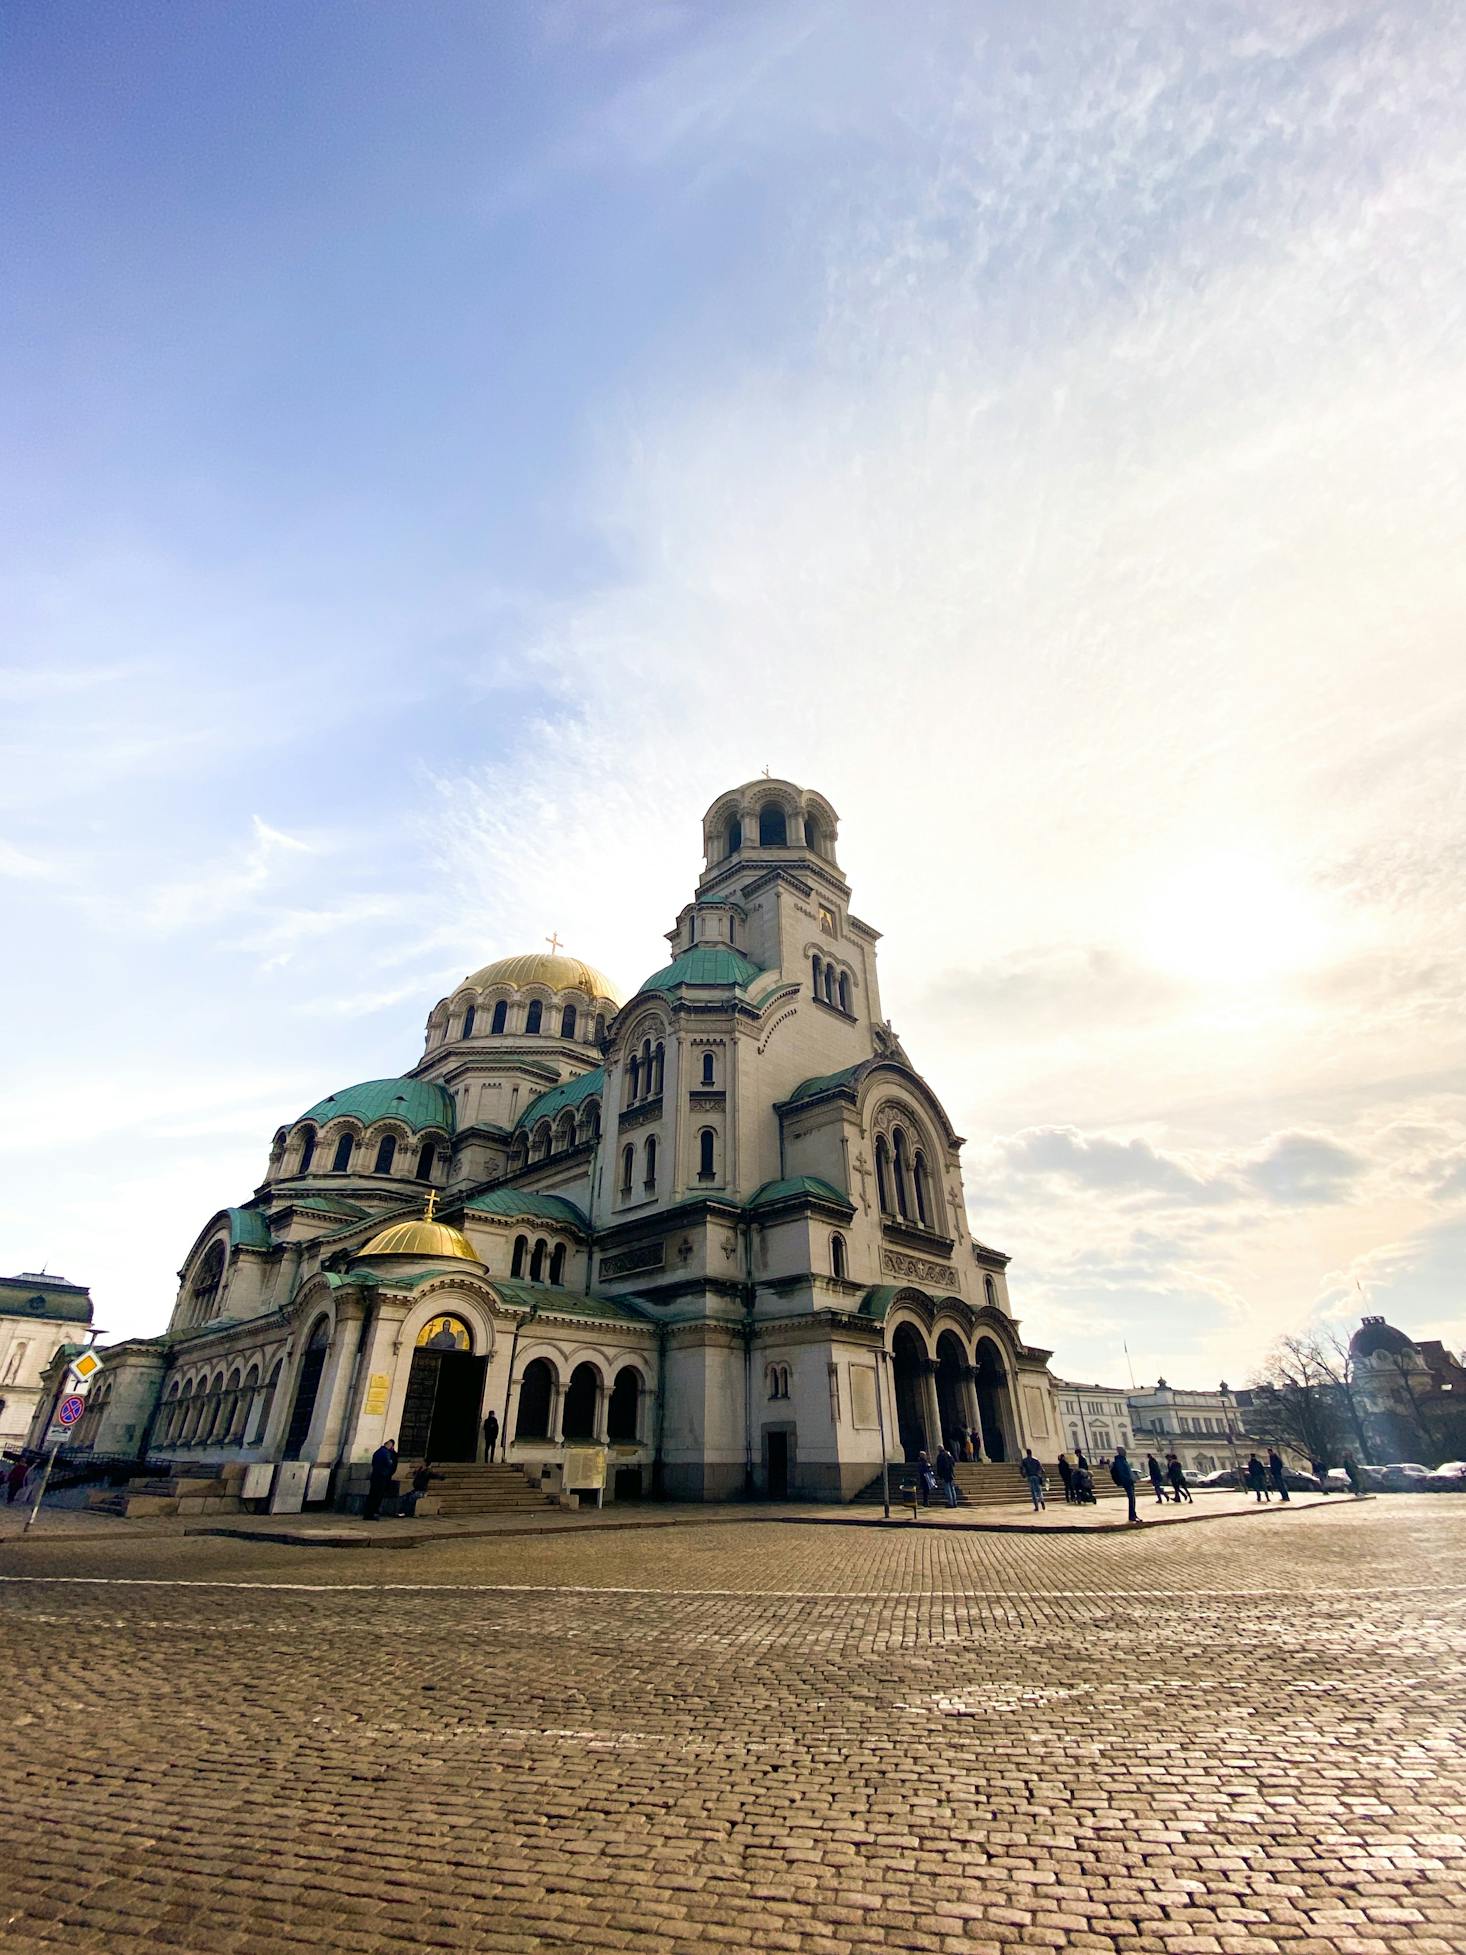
(1352, 1475)
(1032, 1471)
(1277, 1472)
(421, 1481)
(926, 1479)
(1257, 1479)
(1157, 1478)
(1176, 1474)
(384, 1476)
(1066, 1474)
(491, 1436)
(947, 1474)
(1123, 1475)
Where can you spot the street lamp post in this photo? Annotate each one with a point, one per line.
(1231, 1434)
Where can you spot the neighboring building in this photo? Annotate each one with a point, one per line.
(1193, 1425)
(718, 1226)
(38, 1315)
(1094, 1418)
(1412, 1395)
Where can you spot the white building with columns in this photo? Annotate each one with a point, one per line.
(715, 1224)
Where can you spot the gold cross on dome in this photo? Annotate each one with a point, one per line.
(767, 775)
(553, 940)
(432, 1208)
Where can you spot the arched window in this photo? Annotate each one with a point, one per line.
(735, 835)
(567, 1022)
(918, 1177)
(426, 1161)
(819, 974)
(901, 1171)
(565, 1132)
(535, 1014)
(557, 1263)
(829, 984)
(539, 1146)
(883, 1175)
(659, 1064)
(773, 829)
(206, 1284)
(582, 1402)
(628, 1167)
(844, 991)
(651, 1160)
(990, 1291)
(600, 1026)
(468, 1018)
(706, 1142)
(707, 1069)
(262, 1417)
(536, 1395)
(386, 1154)
(646, 1069)
(341, 1162)
(634, 1075)
(249, 1394)
(537, 1262)
(307, 1149)
(837, 1257)
(623, 1416)
(521, 1250)
(814, 835)
(500, 1017)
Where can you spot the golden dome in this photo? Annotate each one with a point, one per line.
(422, 1236)
(554, 972)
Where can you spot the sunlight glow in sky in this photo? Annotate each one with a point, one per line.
(448, 444)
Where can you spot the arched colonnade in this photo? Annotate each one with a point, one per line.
(948, 1380)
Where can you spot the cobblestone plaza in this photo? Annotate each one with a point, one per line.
(1242, 1736)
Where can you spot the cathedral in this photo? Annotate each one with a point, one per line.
(712, 1230)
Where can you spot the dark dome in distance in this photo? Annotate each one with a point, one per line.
(1374, 1335)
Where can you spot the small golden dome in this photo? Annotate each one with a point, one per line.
(554, 972)
(422, 1236)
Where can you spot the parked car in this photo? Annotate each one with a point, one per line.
(1449, 1478)
(1401, 1476)
(1223, 1477)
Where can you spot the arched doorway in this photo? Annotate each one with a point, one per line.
(582, 1396)
(307, 1385)
(908, 1363)
(445, 1388)
(951, 1363)
(992, 1399)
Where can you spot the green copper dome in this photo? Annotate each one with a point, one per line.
(704, 964)
(418, 1103)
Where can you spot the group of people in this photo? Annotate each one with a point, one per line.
(384, 1481)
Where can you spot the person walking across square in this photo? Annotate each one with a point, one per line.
(1157, 1477)
(1176, 1474)
(1123, 1475)
(1032, 1471)
(1277, 1472)
(947, 1475)
(1257, 1479)
(384, 1473)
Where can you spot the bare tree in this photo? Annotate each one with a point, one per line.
(1295, 1401)
(1337, 1365)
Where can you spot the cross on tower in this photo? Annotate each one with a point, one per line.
(553, 941)
(862, 1168)
(432, 1208)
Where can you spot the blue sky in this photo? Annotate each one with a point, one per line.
(447, 444)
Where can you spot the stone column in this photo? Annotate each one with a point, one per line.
(380, 1355)
(970, 1408)
(330, 1409)
(931, 1406)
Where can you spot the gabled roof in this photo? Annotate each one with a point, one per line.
(713, 964)
(517, 1202)
(418, 1103)
(570, 1092)
(808, 1187)
(248, 1228)
(573, 1303)
(808, 1089)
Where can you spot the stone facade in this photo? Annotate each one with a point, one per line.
(39, 1316)
(718, 1227)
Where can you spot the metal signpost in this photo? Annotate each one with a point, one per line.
(68, 1410)
(881, 1422)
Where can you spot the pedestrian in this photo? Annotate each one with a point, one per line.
(1176, 1474)
(1123, 1475)
(964, 1442)
(1277, 1472)
(1320, 1473)
(1032, 1471)
(1066, 1474)
(1080, 1462)
(947, 1474)
(491, 1436)
(384, 1478)
(926, 1479)
(1157, 1478)
(421, 1481)
(1352, 1475)
(1257, 1479)
(15, 1478)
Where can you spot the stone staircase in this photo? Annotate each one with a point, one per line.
(191, 1495)
(989, 1484)
(466, 1488)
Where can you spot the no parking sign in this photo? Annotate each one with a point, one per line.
(70, 1409)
